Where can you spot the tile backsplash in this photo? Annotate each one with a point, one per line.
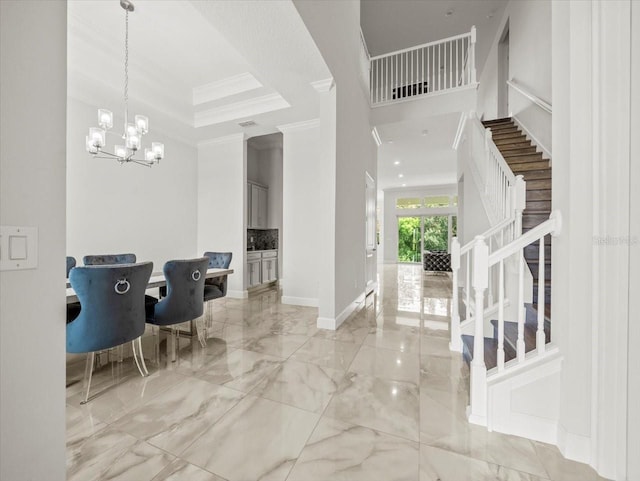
(262, 239)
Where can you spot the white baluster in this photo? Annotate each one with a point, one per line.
(467, 286)
(455, 343)
(540, 336)
(451, 85)
(478, 391)
(472, 58)
(520, 347)
(439, 62)
(520, 202)
(501, 316)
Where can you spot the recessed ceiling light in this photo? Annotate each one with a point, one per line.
(400, 176)
(404, 185)
(425, 132)
(397, 162)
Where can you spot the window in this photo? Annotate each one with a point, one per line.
(454, 200)
(436, 201)
(409, 203)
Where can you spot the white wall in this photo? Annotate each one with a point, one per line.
(529, 65)
(302, 207)
(113, 208)
(389, 224)
(33, 88)
(590, 259)
(222, 187)
(633, 362)
(355, 154)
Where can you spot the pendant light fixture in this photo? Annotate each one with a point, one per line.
(133, 132)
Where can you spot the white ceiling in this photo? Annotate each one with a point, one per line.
(194, 63)
(425, 158)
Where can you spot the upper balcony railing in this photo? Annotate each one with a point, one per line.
(433, 67)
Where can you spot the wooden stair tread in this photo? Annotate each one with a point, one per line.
(515, 158)
(536, 165)
(506, 133)
(501, 120)
(529, 333)
(490, 351)
(499, 141)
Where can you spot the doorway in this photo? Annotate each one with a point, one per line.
(503, 74)
(418, 234)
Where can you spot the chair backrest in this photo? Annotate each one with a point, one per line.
(71, 263)
(219, 260)
(185, 291)
(109, 259)
(113, 305)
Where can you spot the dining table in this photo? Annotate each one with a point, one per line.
(157, 279)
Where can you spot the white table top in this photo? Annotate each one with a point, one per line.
(157, 279)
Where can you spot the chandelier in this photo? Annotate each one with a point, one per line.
(133, 131)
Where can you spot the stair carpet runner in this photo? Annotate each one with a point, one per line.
(521, 156)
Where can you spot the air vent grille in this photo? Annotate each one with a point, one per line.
(247, 123)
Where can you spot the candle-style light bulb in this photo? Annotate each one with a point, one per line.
(158, 150)
(98, 137)
(142, 124)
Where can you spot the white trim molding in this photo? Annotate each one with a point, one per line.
(333, 324)
(235, 294)
(545, 150)
(300, 301)
(302, 125)
(223, 140)
(225, 87)
(324, 85)
(239, 110)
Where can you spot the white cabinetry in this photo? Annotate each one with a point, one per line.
(257, 199)
(269, 266)
(254, 264)
(262, 267)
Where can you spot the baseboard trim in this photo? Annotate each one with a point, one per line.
(574, 446)
(237, 294)
(537, 143)
(333, 324)
(300, 301)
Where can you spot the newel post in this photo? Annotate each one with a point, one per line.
(455, 343)
(519, 202)
(478, 410)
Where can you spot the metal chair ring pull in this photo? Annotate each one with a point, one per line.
(122, 282)
(195, 275)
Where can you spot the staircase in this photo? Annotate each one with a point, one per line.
(522, 158)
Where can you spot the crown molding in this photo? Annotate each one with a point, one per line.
(244, 109)
(303, 125)
(323, 85)
(224, 140)
(225, 88)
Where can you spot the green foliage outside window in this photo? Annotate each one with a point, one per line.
(409, 239)
(436, 234)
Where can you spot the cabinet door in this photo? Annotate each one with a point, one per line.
(269, 269)
(253, 268)
(255, 206)
(262, 208)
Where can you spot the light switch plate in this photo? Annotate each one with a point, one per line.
(18, 248)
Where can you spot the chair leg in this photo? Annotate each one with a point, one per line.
(173, 343)
(135, 357)
(156, 343)
(144, 365)
(202, 331)
(88, 373)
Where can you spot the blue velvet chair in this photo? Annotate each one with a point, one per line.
(216, 287)
(71, 263)
(117, 259)
(183, 301)
(113, 311)
(73, 308)
(109, 259)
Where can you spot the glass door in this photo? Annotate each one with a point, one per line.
(409, 239)
(417, 235)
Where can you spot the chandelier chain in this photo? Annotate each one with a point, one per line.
(126, 64)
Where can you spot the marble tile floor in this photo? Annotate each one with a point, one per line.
(271, 397)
